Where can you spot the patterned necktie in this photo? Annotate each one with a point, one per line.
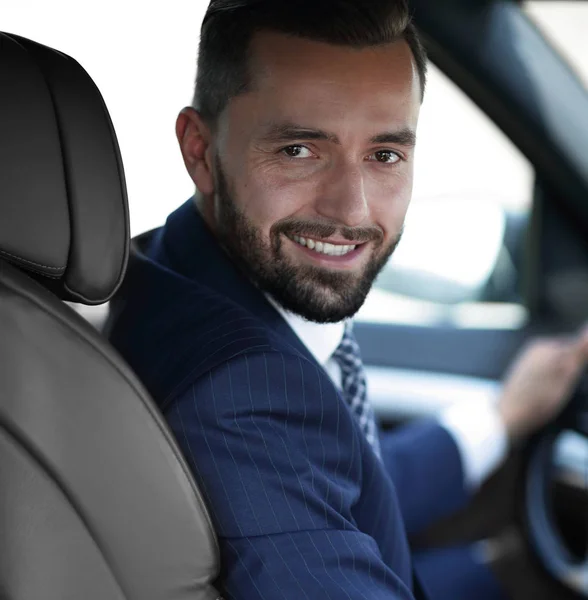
(348, 357)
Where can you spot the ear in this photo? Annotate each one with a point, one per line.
(195, 140)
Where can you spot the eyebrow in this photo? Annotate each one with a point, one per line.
(290, 132)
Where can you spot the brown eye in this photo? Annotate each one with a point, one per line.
(388, 157)
(297, 151)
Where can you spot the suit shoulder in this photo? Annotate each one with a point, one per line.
(221, 335)
(172, 330)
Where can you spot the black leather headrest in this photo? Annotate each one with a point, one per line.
(63, 204)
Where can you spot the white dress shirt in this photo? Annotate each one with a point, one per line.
(477, 430)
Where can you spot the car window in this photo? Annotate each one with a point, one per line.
(565, 25)
(459, 259)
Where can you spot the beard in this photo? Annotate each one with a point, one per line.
(317, 294)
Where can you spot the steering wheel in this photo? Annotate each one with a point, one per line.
(559, 455)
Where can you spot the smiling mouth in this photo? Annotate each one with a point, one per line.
(324, 248)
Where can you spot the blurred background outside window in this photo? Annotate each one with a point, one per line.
(460, 261)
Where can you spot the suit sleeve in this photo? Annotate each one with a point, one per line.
(425, 464)
(274, 458)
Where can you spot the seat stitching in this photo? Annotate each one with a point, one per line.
(30, 262)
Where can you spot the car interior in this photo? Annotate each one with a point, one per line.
(96, 499)
(90, 476)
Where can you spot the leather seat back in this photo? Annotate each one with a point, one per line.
(96, 501)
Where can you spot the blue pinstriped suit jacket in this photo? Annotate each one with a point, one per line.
(301, 505)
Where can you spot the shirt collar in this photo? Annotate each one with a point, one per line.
(321, 339)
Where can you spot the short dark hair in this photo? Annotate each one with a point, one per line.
(229, 26)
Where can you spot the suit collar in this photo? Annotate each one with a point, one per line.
(187, 246)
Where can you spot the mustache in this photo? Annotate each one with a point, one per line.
(326, 229)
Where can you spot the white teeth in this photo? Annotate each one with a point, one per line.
(324, 247)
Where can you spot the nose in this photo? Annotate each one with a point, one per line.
(343, 196)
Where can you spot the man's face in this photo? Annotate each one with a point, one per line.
(313, 170)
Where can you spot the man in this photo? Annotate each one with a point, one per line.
(236, 313)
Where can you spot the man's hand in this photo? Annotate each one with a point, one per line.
(541, 381)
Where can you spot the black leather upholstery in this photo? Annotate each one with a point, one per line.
(63, 214)
(96, 502)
